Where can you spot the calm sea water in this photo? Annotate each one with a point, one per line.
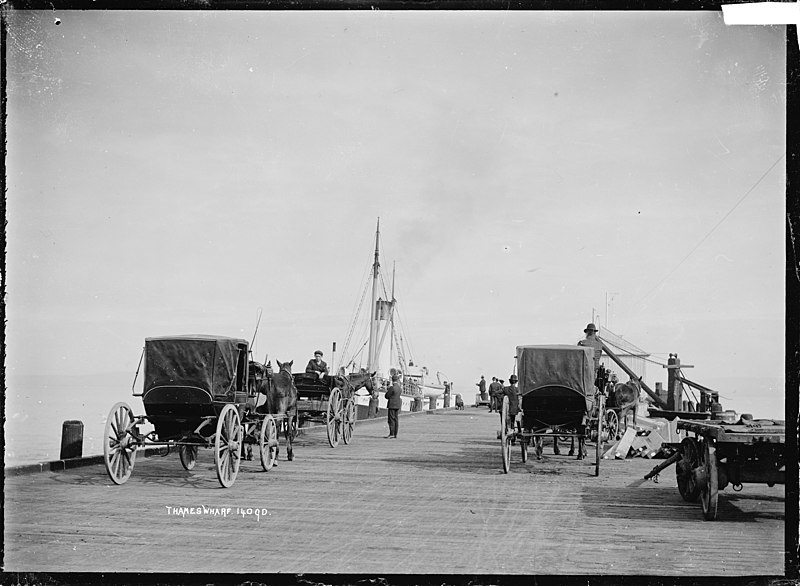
(37, 406)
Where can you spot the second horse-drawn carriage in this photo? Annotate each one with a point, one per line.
(197, 393)
(560, 396)
(330, 400)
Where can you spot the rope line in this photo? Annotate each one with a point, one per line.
(741, 199)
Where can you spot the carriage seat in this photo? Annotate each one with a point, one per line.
(309, 379)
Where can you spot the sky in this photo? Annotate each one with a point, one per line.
(179, 172)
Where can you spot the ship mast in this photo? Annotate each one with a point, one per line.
(371, 357)
(391, 325)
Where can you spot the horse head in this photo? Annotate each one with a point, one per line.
(370, 382)
(285, 366)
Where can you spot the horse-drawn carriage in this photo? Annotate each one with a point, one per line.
(558, 397)
(197, 393)
(330, 400)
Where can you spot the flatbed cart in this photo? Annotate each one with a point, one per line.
(718, 454)
(331, 400)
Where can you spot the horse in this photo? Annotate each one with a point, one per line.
(350, 383)
(625, 397)
(280, 397)
(539, 446)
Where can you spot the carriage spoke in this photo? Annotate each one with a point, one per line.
(227, 445)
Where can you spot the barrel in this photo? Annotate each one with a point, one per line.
(72, 439)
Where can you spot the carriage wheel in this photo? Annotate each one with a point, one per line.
(228, 445)
(333, 417)
(119, 447)
(709, 492)
(188, 456)
(690, 459)
(612, 425)
(268, 442)
(505, 436)
(349, 423)
(523, 445)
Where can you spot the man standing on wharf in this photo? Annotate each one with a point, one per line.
(592, 341)
(482, 388)
(394, 403)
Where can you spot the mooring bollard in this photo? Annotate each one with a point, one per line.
(71, 439)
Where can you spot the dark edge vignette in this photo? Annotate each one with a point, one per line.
(792, 284)
(792, 380)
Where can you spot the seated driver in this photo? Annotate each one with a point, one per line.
(317, 365)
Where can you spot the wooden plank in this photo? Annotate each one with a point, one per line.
(432, 501)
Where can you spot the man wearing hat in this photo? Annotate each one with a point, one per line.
(394, 403)
(512, 392)
(495, 390)
(592, 341)
(317, 365)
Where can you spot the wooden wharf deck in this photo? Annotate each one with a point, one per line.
(434, 500)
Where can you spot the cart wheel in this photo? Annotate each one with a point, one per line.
(188, 456)
(268, 443)
(119, 446)
(690, 459)
(612, 425)
(523, 445)
(333, 417)
(505, 436)
(349, 423)
(228, 445)
(709, 493)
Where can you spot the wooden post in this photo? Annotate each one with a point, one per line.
(673, 384)
(660, 392)
(71, 439)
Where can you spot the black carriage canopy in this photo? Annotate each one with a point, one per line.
(205, 362)
(556, 365)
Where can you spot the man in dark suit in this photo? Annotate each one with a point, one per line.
(394, 403)
(495, 391)
(512, 392)
(317, 365)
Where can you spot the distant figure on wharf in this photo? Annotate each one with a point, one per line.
(394, 402)
(592, 341)
(495, 392)
(482, 388)
(512, 392)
